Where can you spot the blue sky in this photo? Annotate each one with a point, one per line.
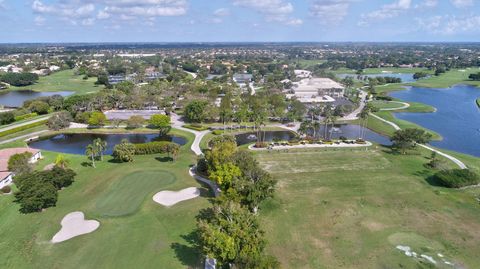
(238, 20)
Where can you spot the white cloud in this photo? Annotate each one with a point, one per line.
(386, 12)
(427, 4)
(39, 20)
(222, 12)
(462, 3)
(450, 25)
(272, 10)
(294, 22)
(86, 12)
(330, 11)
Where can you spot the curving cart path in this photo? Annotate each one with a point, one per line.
(396, 127)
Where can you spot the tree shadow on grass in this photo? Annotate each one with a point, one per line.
(164, 159)
(188, 253)
(86, 164)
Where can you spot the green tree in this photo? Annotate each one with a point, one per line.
(406, 139)
(194, 111)
(97, 118)
(231, 234)
(92, 151)
(7, 117)
(124, 151)
(35, 195)
(59, 121)
(39, 107)
(101, 146)
(61, 161)
(162, 123)
(20, 163)
(224, 175)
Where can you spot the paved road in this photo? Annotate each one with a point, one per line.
(404, 106)
(354, 114)
(24, 137)
(178, 123)
(13, 126)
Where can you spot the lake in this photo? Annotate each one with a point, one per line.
(457, 118)
(16, 98)
(349, 131)
(405, 77)
(76, 143)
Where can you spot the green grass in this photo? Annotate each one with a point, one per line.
(448, 79)
(120, 201)
(63, 81)
(385, 104)
(350, 208)
(152, 236)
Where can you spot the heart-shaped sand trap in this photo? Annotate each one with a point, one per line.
(74, 224)
(169, 198)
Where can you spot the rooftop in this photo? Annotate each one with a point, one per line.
(5, 155)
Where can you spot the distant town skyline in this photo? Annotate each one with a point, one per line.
(239, 20)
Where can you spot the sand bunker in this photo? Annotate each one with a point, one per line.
(169, 198)
(74, 224)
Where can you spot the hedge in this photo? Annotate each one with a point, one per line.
(25, 116)
(22, 128)
(196, 127)
(457, 178)
(152, 148)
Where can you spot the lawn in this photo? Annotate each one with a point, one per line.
(63, 81)
(380, 104)
(147, 235)
(351, 208)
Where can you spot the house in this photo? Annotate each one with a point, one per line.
(5, 154)
(242, 79)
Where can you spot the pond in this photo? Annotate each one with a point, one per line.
(457, 118)
(16, 98)
(349, 131)
(76, 143)
(405, 77)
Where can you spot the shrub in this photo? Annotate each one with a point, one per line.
(97, 118)
(135, 121)
(218, 132)
(25, 116)
(7, 117)
(260, 145)
(384, 98)
(6, 189)
(151, 148)
(124, 151)
(20, 163)
(457, 178)
(196, 127)
(59, 121)
(22, 128)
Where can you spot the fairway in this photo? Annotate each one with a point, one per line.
(63, 81)
(128, 193)
(351, 208)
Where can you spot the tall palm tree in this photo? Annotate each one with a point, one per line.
(101, 146)
(91, 152)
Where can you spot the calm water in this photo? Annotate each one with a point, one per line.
(16, 98)
(76, 143)
(349, 131)
(407, 77)
(457, 118)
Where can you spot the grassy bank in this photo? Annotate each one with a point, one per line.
(478, 102)
(386, 70)
(62, 81)
(351, 208)
(134, 231)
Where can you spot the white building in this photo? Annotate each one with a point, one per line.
(5, 154)
(317, 90)
(303, 73)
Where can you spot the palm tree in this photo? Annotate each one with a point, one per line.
(101, 146)
(91, 152)
(61, 161)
